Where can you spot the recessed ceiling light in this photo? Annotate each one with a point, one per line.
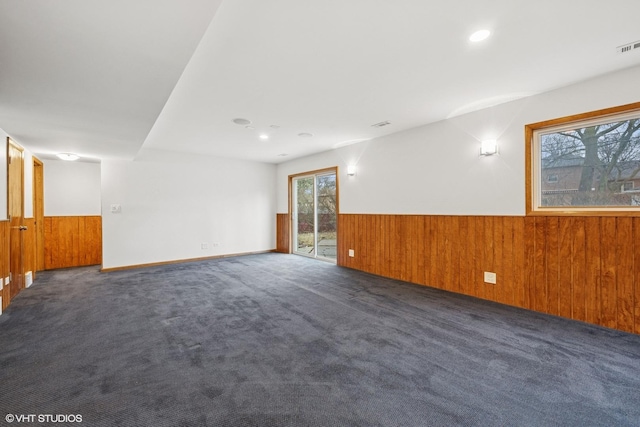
(264, 137)
(68, 156)
(283, 155)
(305, 135)
(274, 127)
(480, 35)
(241, 121)
(249, 127)
(381, 124)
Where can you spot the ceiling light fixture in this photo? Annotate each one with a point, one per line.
(305, 135)
(264, 137)
(70, 157)
(241, 121)
(480, 35)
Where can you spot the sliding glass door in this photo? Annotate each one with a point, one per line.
(315, 212)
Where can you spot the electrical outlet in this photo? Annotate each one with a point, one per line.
(216, 244)
(116, 209)
(352, 253)
(204, 246)
(490, 277)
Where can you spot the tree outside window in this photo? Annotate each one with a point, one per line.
(592, 163)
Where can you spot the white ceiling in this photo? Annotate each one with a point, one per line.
(104, 78)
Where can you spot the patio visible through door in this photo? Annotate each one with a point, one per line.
(315, 213)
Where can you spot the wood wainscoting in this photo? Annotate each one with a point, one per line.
(29, 247)
(582, 268)
(72, 241)
(282, 233)
(4, 262)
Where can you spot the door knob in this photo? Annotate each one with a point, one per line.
(22, 227)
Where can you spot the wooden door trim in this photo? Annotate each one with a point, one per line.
(38, 213)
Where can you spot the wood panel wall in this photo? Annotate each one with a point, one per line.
(282, 232)
(582, 268)
(29, 247)
(4, 262)
(72, 241)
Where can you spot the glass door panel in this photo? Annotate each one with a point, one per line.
(315, 215)
(304, 230)
(326, 216)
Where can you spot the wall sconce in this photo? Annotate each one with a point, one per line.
(351, 170)
(489, 147)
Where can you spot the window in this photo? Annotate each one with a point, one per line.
(585, 163)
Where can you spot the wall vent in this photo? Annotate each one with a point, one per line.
(628, 47)
(381, 124)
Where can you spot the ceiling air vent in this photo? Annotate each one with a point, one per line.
(381, 124)
(628, 47)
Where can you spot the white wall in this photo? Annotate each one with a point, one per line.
(171, 203)
(71, 188)
(436, 169)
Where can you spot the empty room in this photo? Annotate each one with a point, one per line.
(320, 213)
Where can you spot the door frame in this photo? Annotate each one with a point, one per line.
(38, 213)
(314, 173)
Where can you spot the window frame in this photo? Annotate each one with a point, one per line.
(533, 172)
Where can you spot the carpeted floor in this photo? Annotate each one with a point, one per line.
(281, 340)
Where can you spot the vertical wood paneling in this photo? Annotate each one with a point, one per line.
(579, 269)
(472, 261)
(519, 264)
(4, 262)
(565, 285)
(72, 241)
(420, 251)
(479, 255)
(624, 274)
(553, 267)
(454, 248)
(593, 279)
(447, 253)
(464, 264)
(608, 293)
(507, 290)
(29, 245)
(538, 288)
(584, 268)
(282, 233)
(529, 260)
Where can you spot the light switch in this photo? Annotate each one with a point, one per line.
(116, 209)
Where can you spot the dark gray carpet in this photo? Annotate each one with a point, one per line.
(281, 340)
